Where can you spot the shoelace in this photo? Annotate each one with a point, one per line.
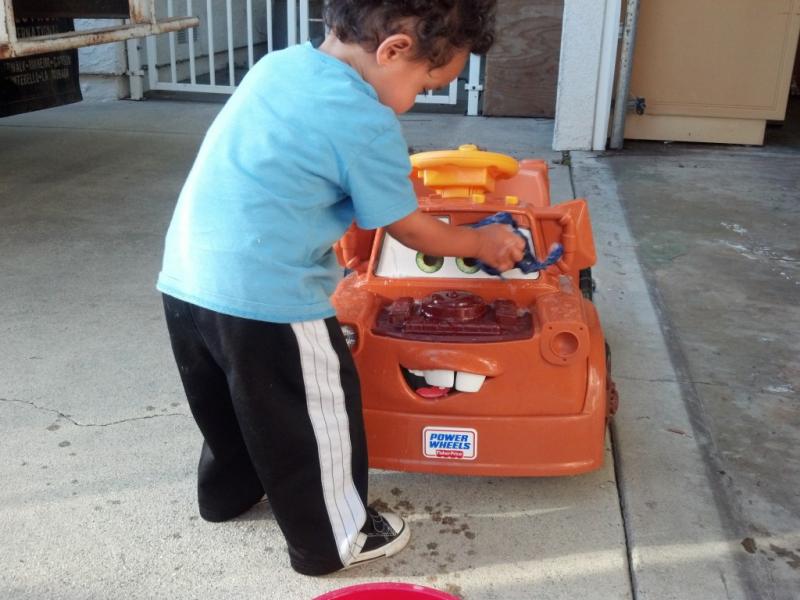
(379, 525)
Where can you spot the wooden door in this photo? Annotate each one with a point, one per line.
(712, 70)
(522, 66)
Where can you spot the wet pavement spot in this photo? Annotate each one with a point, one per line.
(404, 505)
(452, 588)
(791, 558)
(675, 430)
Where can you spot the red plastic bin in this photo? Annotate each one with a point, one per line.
(386, 591)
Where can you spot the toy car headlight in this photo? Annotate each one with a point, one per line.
(350, 336)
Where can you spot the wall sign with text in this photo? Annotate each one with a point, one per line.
(43, 80)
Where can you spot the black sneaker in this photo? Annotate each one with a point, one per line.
(381, 535)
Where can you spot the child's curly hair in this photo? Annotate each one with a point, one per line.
(440, 27)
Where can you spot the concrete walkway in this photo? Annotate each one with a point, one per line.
(716, 230)
(98, 498)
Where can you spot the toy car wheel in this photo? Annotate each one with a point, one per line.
(586, 283)
(612, 394)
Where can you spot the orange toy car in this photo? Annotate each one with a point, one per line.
(467, 373)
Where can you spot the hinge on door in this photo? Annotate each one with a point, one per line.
(637, 104)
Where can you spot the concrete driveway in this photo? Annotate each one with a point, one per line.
(99, 451)
(98, 498)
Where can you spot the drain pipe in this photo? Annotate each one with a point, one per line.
(624, 79)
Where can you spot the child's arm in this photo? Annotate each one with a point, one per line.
(495, 245)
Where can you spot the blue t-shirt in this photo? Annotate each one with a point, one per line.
(301, 149)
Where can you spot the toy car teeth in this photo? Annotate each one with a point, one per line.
(437, 383)
(466, 372)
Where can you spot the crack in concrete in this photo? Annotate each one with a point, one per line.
(77, 424)
(668, 380)
(633, 583)
(733, 387)
(624, 512)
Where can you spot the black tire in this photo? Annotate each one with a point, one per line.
(586, 283)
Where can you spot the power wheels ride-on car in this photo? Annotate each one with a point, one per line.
(465, 372)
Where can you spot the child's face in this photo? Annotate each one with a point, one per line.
(399, 80)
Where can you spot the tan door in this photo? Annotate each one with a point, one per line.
(712, 70)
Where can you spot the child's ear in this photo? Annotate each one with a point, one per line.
(397, 45)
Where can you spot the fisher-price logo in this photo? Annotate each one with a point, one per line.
(450, 442)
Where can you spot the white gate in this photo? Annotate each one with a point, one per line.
(232, 36)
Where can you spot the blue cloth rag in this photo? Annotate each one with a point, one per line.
(528, 264)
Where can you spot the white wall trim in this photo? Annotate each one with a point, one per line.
(586, 74)
(605, 78)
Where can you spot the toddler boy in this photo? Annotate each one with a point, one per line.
(307, 144)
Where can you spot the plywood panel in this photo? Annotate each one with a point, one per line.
(716, 58)
(522, 66)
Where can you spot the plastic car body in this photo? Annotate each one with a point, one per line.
(467, 373)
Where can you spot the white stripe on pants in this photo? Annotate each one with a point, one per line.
(326, 408)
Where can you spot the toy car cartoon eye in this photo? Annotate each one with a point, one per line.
(398, 261)
(429, 264)
(467, 265)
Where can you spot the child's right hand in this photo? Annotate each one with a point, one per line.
(499, 246)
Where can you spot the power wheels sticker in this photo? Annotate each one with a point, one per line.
(450, 443)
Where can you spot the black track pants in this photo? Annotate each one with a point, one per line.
(279, 407)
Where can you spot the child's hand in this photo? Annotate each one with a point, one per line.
(499, 247)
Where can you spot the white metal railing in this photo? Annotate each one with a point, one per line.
(232, 36)
(141, 21)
